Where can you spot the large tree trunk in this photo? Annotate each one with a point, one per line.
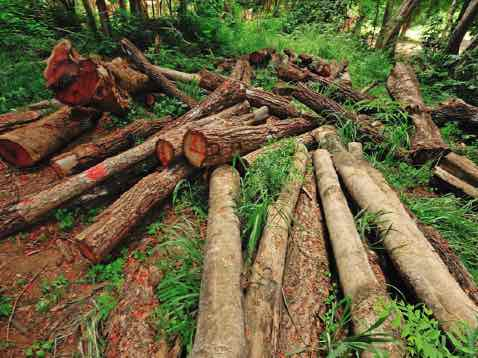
(104, 17)
(21, 116)
(220, 326)
(461, 28)
(90, 16)
(456, 110)
(78, 81)
(138, 58)
(98, 240)
(263, 301)
(357, 278)
(218, 145)
(331, 109)
(34, 207)
(28, 145)
(306, 284)
(427, 142)
(86, 155)
(425, 273)
(458, 173)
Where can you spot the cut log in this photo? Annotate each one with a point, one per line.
(448, 181)
(343, 93)
(218, 145)
(425, 273)
(293, 73)
(112, 225)
(325, 106)
(242, 71)
(337, 69)
(261, 57)
(131, 81)
(321, 68)
(78, 81)
(27, 114)
(427, 142)
(306, 285)
(170, 143)
(86, 155)
(140, 60)
(263, 300)
(357, 278)
(456, 110)
(440, 244)
(461, 167)
(220, 326)
(28, 145)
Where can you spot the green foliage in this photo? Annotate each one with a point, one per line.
(52, 293)
(456, 219)
(111, 272)
(169, 106)
(457, 138)
(265, 78)
(191, 195)
(39, 349)
(404, 176)
(260, 187)
(5, 306)
(105, 304)
(66, 219)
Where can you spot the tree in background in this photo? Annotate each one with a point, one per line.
(467, 16)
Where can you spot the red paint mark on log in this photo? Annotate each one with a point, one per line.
(96, 173)
(142, 276)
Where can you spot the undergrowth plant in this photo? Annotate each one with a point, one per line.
(5, 306)
(52, 292)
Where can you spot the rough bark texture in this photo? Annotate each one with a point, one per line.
(170, 143)
(212, 146)
(220, 327)
(263, 301)
(462, 27)
(242, 71)
(27, 145)
(342, 92)
(357, 278)
(331, 109)
(457, 110)
(131, 81)
(13, 120)
(427, 142)
(113, 224)
(305, 285)
(86, 155)
(261, 57)
(413, 256)
(78, 81)
(138, 58)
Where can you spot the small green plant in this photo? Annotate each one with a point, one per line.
(52, 293)
(169, 106)
(369, 230)
(105, 304)
(192, 195)
(89, 217)
(111, 272)
(66, 219)
(403, 176)
(5, 306)
(39, 349)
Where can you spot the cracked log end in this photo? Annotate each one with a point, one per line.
(165, 152)
(15, 154)
(195, 148)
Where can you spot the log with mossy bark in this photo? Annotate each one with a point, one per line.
(425, 273)
(263, 301)
(306, 284)
(357, 278)
(140, 60)
(86, 155)
(26, 146)
(220, 326)
(34, 207)
(218, 145)
(456, 110)
(427, 142)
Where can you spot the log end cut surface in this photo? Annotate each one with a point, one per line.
(164, 152)
(15, 154)
(195, 148)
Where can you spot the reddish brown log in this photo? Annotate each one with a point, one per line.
(78, 81)
(293, 73)
(170, 144)
(427, 142)
(218, 145)
(86, 155)
(456, 110)
(337, 69)
(131, 81)
(140, 60)
(242, 71)
(113, 224)
(261, 57)
(28, 145)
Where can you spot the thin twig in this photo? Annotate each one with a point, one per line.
(27, 286)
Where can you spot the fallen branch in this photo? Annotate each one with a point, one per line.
(459, 173)
(456, 110)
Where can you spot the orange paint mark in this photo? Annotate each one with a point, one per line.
(96, 173)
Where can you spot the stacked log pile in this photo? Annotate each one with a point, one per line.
(278, 310)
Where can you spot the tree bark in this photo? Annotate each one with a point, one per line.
(261, 57)
(357, 278)
(389, 6)
(328, 107)
(23, 116)
(242, 71)
(343, 93)
(28, 145)
(104, 17)
(133, 82)
(78, 81)
(112, 225)
(461, 28)
(456, 110)
(90, 15)
(220, 326)
(306, 285)
(427, 142)
(218, 145)
(138, 58)
(86, 155)
(263, 300)
(425, 273)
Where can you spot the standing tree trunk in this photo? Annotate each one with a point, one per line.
(389, 7)
(449, 19)
(90, 15)
(104, 17)
(220, 325)
(462, 27)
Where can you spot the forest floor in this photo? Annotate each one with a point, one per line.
(54, 303)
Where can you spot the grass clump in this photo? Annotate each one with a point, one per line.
(111, 272)
(5, 306)
(52, 293)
